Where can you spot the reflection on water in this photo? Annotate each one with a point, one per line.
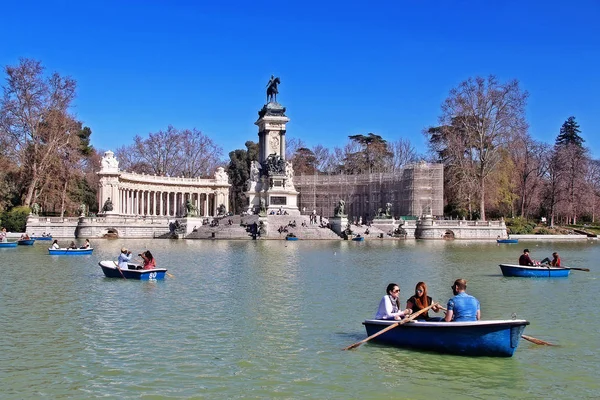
(263, 319)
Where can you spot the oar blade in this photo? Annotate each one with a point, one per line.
(537, 341)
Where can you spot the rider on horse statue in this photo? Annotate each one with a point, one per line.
(272, 89)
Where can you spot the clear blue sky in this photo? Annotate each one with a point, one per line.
(346, 67)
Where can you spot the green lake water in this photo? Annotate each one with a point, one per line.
(268, 319)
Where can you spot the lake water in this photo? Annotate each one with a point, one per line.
(268, 319)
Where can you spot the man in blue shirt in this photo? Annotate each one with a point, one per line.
(462, 307)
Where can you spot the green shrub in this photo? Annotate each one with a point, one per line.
(542, 231)
(15, 220)
(520, 226)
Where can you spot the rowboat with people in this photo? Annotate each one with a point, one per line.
(358, 238)
(70, 252)
(535, 271)
(493, 338)
(507, 241)
(25, 242)
(42, 237)
(111, 270)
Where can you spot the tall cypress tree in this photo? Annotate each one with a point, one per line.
(569, 134)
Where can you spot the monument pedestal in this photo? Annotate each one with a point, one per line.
(338, 224)
(271, 182)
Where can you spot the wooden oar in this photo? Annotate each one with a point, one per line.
(121, 272)
(537, 341)
(576, 269)
(529, 338)
(402, 321)
(170, 275)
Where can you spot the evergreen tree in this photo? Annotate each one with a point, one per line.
(569, 134)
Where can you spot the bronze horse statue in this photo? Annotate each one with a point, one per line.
(272, 89)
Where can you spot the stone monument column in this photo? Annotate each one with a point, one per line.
(271, 183)
(108, 191)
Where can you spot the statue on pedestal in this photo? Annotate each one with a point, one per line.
(35, 209)
(191, 209)
(272, 89)
(339, 209)
(108, 205)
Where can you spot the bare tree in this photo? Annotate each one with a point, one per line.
(403, 153)
(488, 113)
(187, 153)
(321, 157)
(35, 119)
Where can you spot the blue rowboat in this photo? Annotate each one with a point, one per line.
(26, 242)
(111, 271)
(291, 238)
(42, 237)
(541, 271)
(358, 239)
(70, 252)
(495, 338)
(507, 240)
(8, 244)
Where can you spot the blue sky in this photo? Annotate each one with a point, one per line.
(345, 67)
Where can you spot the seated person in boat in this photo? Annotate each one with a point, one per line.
(149, 261)
(462, 307)
(3, 235)
(86, 244)
(555, 262)
(72, 245)
(124, 258)
(389, 306)
(421, 300)
(25, 236)
(55, 245)
(525, 260)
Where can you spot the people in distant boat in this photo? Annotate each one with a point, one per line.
(462, 307)
(72, 245)
(124, 258)
(25, 236)
(149, 261)
(55, 244)
(86, 244)
(389, 306)
(3, 235)
(555, 262)
(421, 300)
(525, 260)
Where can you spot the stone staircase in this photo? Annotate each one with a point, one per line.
(308, 232)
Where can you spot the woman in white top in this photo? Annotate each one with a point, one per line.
(389, 306)
(55, 244)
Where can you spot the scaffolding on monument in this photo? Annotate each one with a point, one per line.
(414, 190)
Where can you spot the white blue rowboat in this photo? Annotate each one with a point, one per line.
(495, 338)
(111, 271)
(541, 271)
(70, 252)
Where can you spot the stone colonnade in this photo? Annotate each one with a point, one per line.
(149, 195)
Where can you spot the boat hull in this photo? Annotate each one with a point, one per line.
(533, 272)
(477, 338)
(507, 240)
(70, 252)
(111, 271)
(358, 239)
(42, 237)
(8, 244)
(26, 242)
(291, 238)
